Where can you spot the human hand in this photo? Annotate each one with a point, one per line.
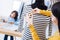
(29, 18)
(36, 10)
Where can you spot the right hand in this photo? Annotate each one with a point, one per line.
(36, 10)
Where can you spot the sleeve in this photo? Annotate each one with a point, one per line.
(34, 33)
(45, 12)
(55, 37)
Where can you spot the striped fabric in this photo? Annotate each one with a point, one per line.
(50, 27)
(40, 23)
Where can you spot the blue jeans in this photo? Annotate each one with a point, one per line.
(6, 37)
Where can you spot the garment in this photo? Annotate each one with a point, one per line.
(13, 20)
(33, 32)
(45, 12)
(40, 22)
(56, 36)
(10, 20)
(32, 29)
(6, 36)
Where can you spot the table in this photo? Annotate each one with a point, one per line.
(8, 26)
(8, 29)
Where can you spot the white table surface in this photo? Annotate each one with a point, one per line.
(8, 26)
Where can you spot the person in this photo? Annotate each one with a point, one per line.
(12, 20)
(55, 20)
(27, 9)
